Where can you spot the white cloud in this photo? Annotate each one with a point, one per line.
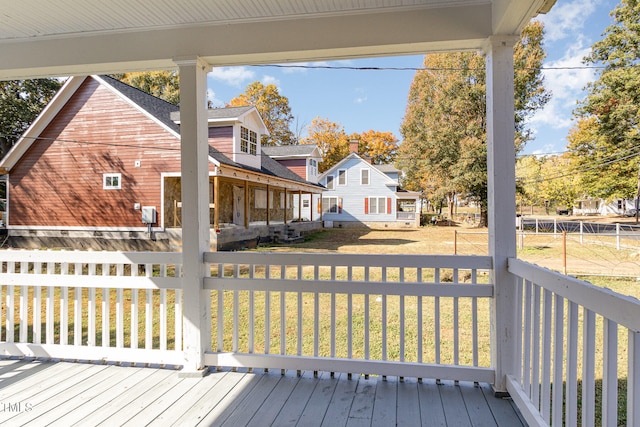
(360, 100)
(233, 76)
(565, 78)
(267, 80)
(213, 100)
(546, 149)
(566, 19)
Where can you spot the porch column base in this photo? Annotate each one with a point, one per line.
(190, 373)
(500, 394)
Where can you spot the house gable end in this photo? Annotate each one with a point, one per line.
(59, 181)
(45, 117)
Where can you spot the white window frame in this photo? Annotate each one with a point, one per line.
(328, 208)
(330, 178)
(368, 171)
(342, 177)
(107, 181)
(248, 141)
(376, 201)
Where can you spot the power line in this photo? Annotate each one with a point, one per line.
(375, 68)
(595, 165)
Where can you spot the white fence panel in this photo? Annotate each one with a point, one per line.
(352, 313)
(88, 301)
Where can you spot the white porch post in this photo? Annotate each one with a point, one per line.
(502, 203)
(195, 212)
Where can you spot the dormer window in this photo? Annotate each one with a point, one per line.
(248, 141)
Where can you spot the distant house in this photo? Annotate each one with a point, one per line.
(602, 207)
(100, 167)
(361, 194)
(303, 160)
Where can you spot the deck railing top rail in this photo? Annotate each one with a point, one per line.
(622, 309)
(353, 260)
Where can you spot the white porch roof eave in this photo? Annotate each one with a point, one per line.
(108, 37)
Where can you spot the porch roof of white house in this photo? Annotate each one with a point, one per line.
(59, 38)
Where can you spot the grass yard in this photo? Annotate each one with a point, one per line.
(293, 321)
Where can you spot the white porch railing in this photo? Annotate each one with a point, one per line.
(109, 306)
(570, 335)
(405, 216)
(401, 315)
(418, 316)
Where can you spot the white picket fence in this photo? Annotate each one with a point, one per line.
(568, 327)
(109, 306)
(401, 315)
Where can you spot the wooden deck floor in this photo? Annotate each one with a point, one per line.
(65, 394)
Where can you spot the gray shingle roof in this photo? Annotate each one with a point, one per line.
(227, 112)
(158, 108)
(162, 110)
(289, 150)
(386, 168)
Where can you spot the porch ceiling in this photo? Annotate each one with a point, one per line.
(60, 37)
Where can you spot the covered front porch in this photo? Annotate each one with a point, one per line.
(529, 332)
(252, 209)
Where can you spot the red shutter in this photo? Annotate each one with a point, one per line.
(366, 205)
(339, 205)
(319, 206)
(389, 205)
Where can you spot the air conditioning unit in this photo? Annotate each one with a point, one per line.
(148, 214)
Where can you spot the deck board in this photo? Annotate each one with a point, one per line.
(361, 411)
(63, 394)
(338, 410)
(318, 404)
(296, 403)
(72, 398)
(455, 410)
(274, 402)
(252, 401)
(431, 409)
(385, 404)
(233, 396)
(408, 402)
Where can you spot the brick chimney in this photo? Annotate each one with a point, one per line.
(353, 146)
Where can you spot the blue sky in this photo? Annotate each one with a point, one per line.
(362, 100)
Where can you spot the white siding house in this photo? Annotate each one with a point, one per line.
(361, 194)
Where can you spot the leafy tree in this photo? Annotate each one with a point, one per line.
(606, 140)
(547, 179)
(604, 171)
(20, 102)
(558, 183)
(274, 109)
(331, 139)
(528, 181)
(380, 147)
(161, 84)
(444, 127)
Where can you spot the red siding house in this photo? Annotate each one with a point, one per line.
(100, 167)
